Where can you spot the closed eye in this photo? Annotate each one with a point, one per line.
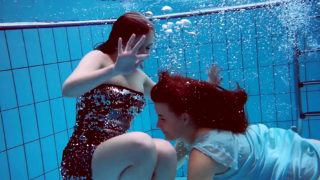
(161, 118)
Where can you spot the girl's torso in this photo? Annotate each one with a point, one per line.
(102, 113)
(262, 153)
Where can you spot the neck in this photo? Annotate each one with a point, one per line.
(195, 133)
(113, 56)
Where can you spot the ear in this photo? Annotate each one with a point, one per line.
(185, 117)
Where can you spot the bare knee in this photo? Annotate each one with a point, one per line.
(165, 151)
(166, 162)
(116, 154)
(143, 147)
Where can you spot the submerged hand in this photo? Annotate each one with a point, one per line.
(214, 77)
(128, 59)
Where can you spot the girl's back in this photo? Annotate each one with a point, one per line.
(262, 153)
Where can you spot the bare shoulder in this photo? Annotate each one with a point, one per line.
(94, 60)
(141, 72)
(97, 55)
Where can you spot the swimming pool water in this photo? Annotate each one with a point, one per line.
(253, 47)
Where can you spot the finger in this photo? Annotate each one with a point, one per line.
(215, 64)
(139, 44)
(219, 70)
(209, 70)
(120, 51)
(142, 56)
(129, 43)
(139, 62)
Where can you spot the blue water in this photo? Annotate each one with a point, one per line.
(31, 11)
(253, 47)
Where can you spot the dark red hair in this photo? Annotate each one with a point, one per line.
(208, 105)
(124, 27)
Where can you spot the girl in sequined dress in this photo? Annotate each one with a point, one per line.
(212, 130)
(110, 92)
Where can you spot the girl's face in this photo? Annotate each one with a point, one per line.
(148, 42)
(172, 125)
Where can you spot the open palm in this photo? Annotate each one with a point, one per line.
(128, 58)
(214, 74)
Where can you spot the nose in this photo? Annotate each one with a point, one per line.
(159, 124)
(142, 50)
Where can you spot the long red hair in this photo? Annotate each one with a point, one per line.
(208, 105)
(126, 25)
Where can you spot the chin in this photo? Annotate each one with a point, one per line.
(170, 138)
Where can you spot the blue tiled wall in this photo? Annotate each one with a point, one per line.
(36, 121)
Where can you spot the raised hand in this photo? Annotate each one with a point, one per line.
(128, 58)
(214, 77)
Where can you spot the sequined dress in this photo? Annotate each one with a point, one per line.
(102, 113)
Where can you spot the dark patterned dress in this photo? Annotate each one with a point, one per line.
(102, 113)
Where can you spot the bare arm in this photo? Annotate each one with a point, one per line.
(87, 75)
(148, 85)
(201, 166)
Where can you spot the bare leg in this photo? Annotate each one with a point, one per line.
(167, 161)
(315, 141)
(129, 156)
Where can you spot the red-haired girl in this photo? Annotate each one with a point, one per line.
(110, 92)
(220, 143)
